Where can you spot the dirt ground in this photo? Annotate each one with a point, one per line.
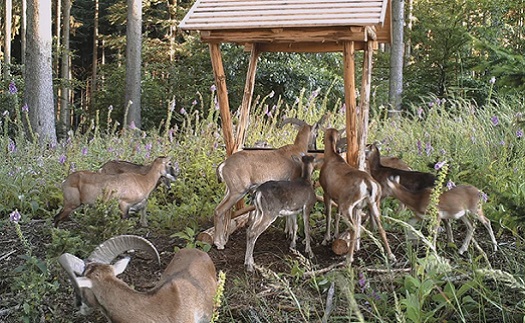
(271, 251)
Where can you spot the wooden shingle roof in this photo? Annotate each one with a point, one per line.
(289, 21)
(246, 14)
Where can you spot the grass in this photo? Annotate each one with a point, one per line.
(482, 146)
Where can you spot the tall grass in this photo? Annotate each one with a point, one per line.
(483, 146)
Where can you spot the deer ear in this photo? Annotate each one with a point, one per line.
(84, 282)
(120, 266)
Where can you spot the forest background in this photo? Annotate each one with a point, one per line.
(464, 78)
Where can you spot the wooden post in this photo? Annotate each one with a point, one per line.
(350, 102)
(247, 98)
(364, 104)
(222, 93)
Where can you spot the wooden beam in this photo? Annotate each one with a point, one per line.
(302, 47)
(247, 98)
(285, 35)
(364, 104)
(222, 93)
(350, 102)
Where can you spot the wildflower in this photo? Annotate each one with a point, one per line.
(439, 165)
(132, 125)
(25, 108)
(213, 88)
(362, 282)
(296, 100)
(420, 113)
(343, 108)
(194, 102)
(110, 108)
(62, 159)
(216, 102)
(492, 80)
(502, 142)
(182, 111)
(494, 120)
(429, 149)
(84, 151)
(430, 104)
(15, 216)
(451, 184)
(172, 105)
(271, 94)
(148, 146)
(442, 151)
(12, 88)
(519, 133)
(11, 147)
(419, 149)
(315, 93)
(484, 197)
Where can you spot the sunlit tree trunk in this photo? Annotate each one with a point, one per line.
(65, 116)
(58, 21)
(95, 56)
(23, 29)
(396, 57)
(133, 61)
(39, 87)
(8, 11)
(172, 11)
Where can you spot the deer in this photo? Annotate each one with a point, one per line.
(244, 170)
(351, 189)
(130, 189)
(282, 198)
(455, 203)
(183, 294)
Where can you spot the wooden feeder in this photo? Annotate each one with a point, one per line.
(294, 26)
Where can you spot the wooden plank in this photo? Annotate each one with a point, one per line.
(350, 102)
(222, 93)
(209, 25)
(321, 35)
(296, 13)
(328, 47)
(247, 98)
(259, 18)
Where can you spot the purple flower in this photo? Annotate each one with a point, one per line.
(362, 282)
(494, 120)
(182, 111)
(11, 146)
(451, 184)
(420, 113)
(148, 146)
(110, 108)
(439, 165)
(62, 159)
(343, 108)
(492, 80)
(132, 125)
(194, 102)
(15, 216)
(213, 88)
(519, 133)
(502, 142)
(484, 196)
(216, 102)
(12, 88)
(419, 148)
(429, 149)
(25, 108)
(84, 151)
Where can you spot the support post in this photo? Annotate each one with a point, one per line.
(364, 104)
(222, 93)
(247, 98)
(350, 102)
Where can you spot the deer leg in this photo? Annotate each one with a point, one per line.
(328, 214)
(376, 213)
(470, 233)
(486, 223)
(222, 218)
(306, 222)
(448, 227)
(259, 222)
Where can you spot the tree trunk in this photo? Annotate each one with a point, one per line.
(94, 65)
(39, 87)
(396, 57)
(7, 38)
(133, 62)
(23, 31)
(65, 116)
